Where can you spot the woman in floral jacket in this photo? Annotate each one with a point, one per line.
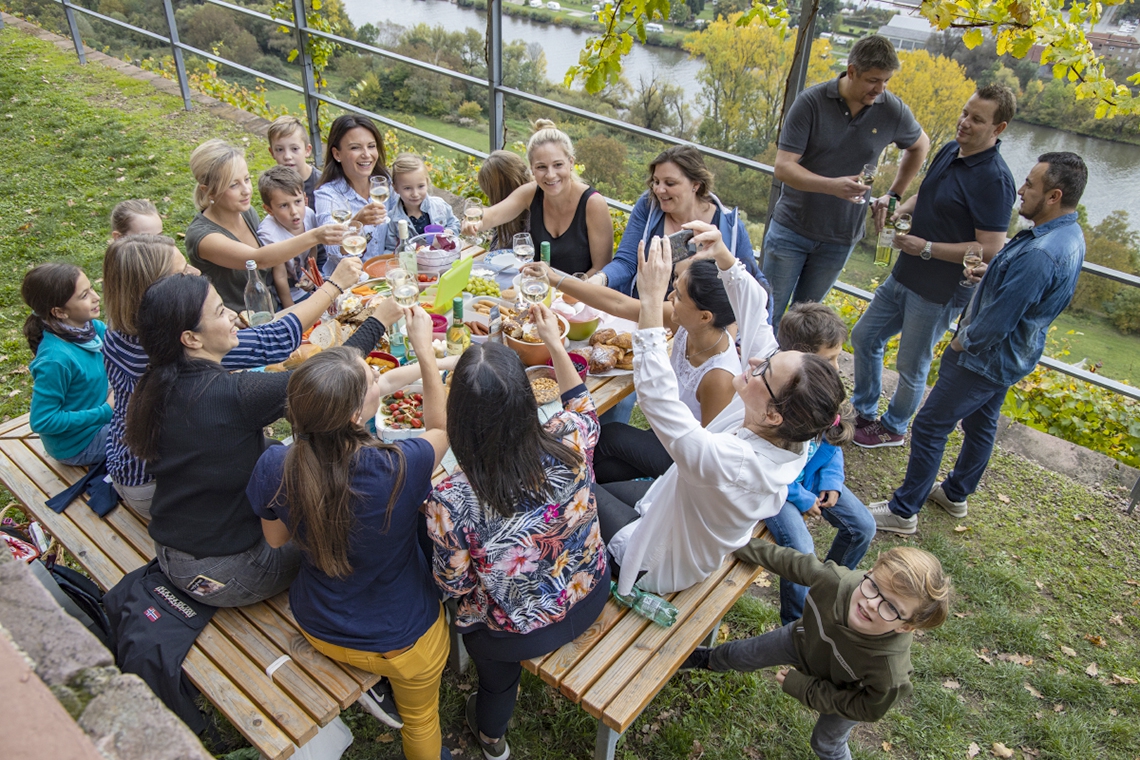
(516, 530)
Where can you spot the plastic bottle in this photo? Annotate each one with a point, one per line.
(649, 606)
(883, 251)
(258, 302)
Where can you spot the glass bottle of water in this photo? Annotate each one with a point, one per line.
(649, 606)
(258, 301)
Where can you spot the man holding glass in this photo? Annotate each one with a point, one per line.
(999, 341)
(965, 200)
(829, 145)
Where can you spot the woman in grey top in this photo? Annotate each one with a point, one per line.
(224, 234)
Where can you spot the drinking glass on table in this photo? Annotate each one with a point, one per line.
(523, 248)
(866, 177)
(533, 287)
(902, 227)
(353, 243)
(378, 189)
(970, 259)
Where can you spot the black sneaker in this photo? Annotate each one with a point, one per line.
(698, 660)
(381, 703)
(499, 750)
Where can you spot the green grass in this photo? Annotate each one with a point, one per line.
(66, 131)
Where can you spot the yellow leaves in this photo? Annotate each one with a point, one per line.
(973, 38)
(1001, 751)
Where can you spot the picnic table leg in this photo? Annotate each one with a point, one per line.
(710, 640)
(606, 743)
(457, 657)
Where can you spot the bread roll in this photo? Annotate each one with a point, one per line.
(606, 335)
(625, 362)
(603, 358)
(298, 357)
(624, 341)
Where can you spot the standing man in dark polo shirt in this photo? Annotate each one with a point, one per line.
(831, 131)
(966, 197)
(999, 341)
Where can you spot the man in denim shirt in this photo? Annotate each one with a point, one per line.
(999, 340)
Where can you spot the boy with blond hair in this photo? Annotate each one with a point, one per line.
(289, 145)
(850, 652)
(286, 215)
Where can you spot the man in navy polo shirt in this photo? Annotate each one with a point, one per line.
(1000, 339)
(831, 131)
(966, 198)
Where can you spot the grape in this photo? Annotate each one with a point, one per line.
(481, 286)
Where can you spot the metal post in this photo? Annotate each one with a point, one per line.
(1, 21)
(67, 11)
(797, 76)
(308, 81)
(494, 53)
(605, 743)
(179, 64)
(1134, 496)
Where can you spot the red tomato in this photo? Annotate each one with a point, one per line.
(398, 395)
(418, 396)
(417, 423)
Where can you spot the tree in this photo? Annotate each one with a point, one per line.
(680, 14)
(1112, 244)
(742, 82)
(1055, 27)
(652, 106)
(1124, 311)
(935, 88)
(603, 158)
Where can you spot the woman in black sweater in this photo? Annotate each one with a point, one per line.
(200, 430)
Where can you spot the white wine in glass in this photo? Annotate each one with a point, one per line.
(353, 243)
(533, 288)
(970, 259)
(406, 294)
(378, 190)
(340, 211)
(866, 177)
(523, 248)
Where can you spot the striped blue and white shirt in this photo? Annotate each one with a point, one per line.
(126, 361)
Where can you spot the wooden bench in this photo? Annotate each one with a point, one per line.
(228, 662)
(616, 668)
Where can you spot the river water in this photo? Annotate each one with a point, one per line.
(1114, 168)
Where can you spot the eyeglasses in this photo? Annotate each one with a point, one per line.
(887, 611)
(761, 372)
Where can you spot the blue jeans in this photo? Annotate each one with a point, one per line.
(897, 310)
(621, 411)
(959, 395)
(799, 268)
(856, 528)
(778, 647)
(94, 452)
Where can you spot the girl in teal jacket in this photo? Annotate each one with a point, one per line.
(70, 404)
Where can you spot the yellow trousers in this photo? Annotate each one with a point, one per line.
(415, 675)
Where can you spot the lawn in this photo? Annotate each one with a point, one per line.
(1040, 654)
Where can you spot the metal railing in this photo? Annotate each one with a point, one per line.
(496, 93)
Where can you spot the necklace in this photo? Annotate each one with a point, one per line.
(716, 343)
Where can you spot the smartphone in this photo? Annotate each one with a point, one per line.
(203, 585)
(683, 246)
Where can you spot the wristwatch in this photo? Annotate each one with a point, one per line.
(894, 195)
(926, 249)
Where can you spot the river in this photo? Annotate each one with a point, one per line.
(1113, 167)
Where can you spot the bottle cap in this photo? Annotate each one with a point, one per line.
(402, 225)
(251, 264)
(457, 306)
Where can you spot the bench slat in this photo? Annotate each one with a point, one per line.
(648, 680)
(92, 558)
(296, 724)
(593, 666)
(554, 667)
(290, 677)
(641, 650)
(363, 678)
(340, 685)
(270, 740)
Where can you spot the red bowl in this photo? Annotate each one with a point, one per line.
(386, 357)
(580, 364)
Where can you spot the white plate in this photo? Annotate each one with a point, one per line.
(502, 262)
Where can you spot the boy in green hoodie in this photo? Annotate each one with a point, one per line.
(850, 652)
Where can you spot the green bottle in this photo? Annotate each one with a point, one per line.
(545, 252)
(459, 334)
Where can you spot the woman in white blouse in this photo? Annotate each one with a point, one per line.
(733, 473)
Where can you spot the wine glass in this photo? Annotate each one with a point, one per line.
(902, 226)
(473, 215)
(340, 211)
(353, 243)
(970, 259)
(533, 288)
(396, 277)
(866, 177)
(523, 248)
(378, 189)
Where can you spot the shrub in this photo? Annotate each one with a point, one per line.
(470, 110)
(1124, 311)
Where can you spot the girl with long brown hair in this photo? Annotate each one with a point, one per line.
(364, 593)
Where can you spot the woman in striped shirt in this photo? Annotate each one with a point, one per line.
(130, 266)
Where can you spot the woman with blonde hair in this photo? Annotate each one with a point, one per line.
(135, 216)
(564, 211)
(500, 175)
(130, 266)
(224, 234)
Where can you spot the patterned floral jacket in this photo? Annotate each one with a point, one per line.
(521, 573)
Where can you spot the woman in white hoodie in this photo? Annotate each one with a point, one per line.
(733, 473)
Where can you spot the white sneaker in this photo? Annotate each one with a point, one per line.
(888, 521)
(953, 508)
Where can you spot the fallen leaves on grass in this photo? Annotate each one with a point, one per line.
(1068, 651)
(1003, 498)
(973, 750)
(887, 747)
(951, 684)
(763, 580)
(984, 657)
(1116, 619)
(961, 529)
(1092, 670)
(1002, 751)
(1017, 659)
(1033, 692)
(1096, 641)
(1119, 680)
(385, 738)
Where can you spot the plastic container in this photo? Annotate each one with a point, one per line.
(439, 325)
(580, 363)
(390, 435)
(436, 251)
(378, 266)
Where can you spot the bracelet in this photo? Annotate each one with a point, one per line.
(338, 287)
(560, 279)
